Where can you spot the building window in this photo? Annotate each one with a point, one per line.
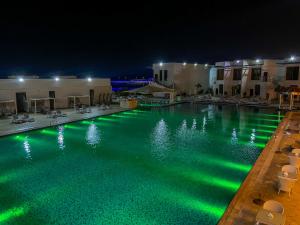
(292, 73)
(221, 89)
(257, 90)
(156, 77)
(265, 77)
(165, 75)
(255, 73)
(236, 90)
(237, 74)
(160, 75)
(220, 74)
(217, 91)
(251, 92)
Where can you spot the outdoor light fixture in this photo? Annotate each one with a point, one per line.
(206, 65)
(56, 79)
(21, 79)
(292, 58)
(237, 61)
(89, 79)
(195, 64)
(257, 60)
(161, 64)
(184, 64)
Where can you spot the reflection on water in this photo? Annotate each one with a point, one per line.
(194, 125)
(252, 136)
(160, 140)
(204, 124)
(60, 138)
(26, 146)
(93, 135)
(186, 136)
(234, 138)
(211, 112)
(182, 131)
(183, 128)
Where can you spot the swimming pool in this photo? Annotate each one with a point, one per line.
(174, 165)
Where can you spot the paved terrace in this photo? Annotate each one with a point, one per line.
(41, 121)
(262, 181)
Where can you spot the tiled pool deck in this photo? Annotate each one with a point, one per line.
(41, 121)
(261, 183)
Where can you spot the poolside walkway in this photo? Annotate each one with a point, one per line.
(41, 121)
(262, 182)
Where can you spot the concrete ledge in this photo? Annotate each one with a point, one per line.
(41, 121)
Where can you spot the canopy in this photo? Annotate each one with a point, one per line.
(6, 101)
(79, 96)
(151, 88)
(40, 99)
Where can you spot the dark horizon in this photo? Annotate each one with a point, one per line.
(126, 38)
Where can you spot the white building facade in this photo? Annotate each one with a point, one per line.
(185, 78)
(24, 91)
(247, 78)
(288, 72)
(244, 78)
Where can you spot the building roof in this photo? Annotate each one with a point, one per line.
(151, 88)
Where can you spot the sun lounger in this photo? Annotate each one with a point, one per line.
(296, 151)
(272, 212)
(52, 115)
(290, 170)
(17, 120)
(294, 161)
(60, 114)
(22, 119)
(285, 184)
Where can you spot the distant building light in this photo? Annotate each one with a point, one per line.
(56, 78)
(195, 64)
(257, 60)
(89, 79)
(292, 58)
(237, 61)
(206, 65)
(21, 79)
(184, 64)
(161, 64)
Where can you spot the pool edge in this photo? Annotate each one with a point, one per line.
(255, 175)
(61, 123)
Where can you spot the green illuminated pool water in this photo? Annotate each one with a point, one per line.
(175, 165)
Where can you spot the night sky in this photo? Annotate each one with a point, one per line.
(121, 39)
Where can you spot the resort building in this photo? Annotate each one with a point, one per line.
(245, 78)
(288, 72)
(185, 78)
(31, 94)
